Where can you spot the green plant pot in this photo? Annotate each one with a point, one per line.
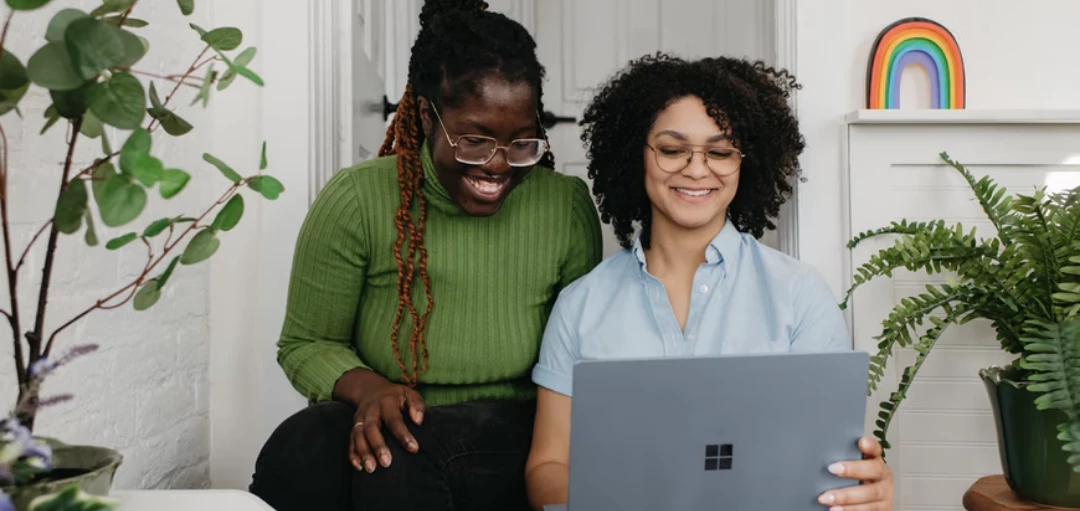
(1034, 464)
(91, 467)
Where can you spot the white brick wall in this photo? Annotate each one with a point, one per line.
(145, 392)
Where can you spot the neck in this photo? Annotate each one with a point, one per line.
(674, 248)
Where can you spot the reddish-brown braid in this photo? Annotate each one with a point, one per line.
(402, 138)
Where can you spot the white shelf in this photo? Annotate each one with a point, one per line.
(964, 116)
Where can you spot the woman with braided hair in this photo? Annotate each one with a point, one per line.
(421, 284)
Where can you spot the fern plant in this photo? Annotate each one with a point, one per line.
(1025, 281)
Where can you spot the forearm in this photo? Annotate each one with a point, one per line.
(355, 383)
(314, 367)
(548, 483)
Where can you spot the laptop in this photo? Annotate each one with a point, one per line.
(739, 432)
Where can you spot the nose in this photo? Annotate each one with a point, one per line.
(698, 168)
(497, 164)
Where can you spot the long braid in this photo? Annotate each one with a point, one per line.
(456, 38)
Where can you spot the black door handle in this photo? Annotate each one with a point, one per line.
(547, 118)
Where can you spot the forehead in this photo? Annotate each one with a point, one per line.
(489, 93)
(687, 117)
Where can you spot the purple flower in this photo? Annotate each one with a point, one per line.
(5, 502)
(42, 368)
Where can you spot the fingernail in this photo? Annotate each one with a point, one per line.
(836, 508)
(385, 459)
(369, 466)
(419, 417)
(827, 499)
(356, 463)
(837, 468)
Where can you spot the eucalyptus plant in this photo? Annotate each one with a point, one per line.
(1025, 281)
(89, 64)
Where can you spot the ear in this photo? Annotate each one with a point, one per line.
(425, 115)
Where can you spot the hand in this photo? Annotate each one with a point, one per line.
(875, 489)
(378, 402)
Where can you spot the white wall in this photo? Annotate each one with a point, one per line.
(145, 392)
(1017, 55)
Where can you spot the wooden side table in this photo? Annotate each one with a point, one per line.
(992, 493)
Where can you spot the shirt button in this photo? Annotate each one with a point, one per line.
(704, 289)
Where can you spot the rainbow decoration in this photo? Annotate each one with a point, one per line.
(916, 41)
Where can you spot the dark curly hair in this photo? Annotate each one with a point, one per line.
(748, 98)
(459, 43)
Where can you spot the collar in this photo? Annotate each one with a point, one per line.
(724, 247)
(434, 192)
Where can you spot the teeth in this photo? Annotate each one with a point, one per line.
(694, 193)
(486, 186)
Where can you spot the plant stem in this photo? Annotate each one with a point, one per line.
(133, 285)
(191, 69)
(50, 253)
(127, 13)
(26, 251)
(163, 77)
(12, 274)
(3, 36)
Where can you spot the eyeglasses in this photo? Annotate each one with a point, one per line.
(724, 161)
(480, 149)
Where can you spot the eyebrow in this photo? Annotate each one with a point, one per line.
(675, 134)
(480, 129)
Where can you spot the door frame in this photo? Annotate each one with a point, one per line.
(785, 34)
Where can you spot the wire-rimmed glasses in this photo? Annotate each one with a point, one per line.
(671, 158)
(480, 149)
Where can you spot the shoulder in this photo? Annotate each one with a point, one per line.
(797, 278)
(602, 283)
(550, 182)
(367, 177)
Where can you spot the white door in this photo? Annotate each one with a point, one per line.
(583, 42)
(368, 74)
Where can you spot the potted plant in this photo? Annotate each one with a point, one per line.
(89, 64)
(1026, 282)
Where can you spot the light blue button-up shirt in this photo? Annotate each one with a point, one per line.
(746, 298)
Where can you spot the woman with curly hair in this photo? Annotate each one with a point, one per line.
(421, 284)
(699, 155)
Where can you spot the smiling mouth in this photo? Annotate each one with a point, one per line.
(487, 187)
(695, 193)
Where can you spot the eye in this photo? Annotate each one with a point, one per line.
(672, 151)
(722, 153)
(472, 141)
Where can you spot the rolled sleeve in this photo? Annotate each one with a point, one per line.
(819, 321)
(558, 352)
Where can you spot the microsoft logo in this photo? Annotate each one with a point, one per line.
(718, 457)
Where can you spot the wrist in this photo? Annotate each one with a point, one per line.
(354, 383)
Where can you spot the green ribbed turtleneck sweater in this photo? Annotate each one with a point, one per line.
(494, 280)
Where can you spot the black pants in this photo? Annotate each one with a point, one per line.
(472, 457)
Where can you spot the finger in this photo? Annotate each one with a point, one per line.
(865, 494)
(373, 434)
(879, 506)
(416, 404)
(870, 447)
(359, 451)
(394, 422)
(863, 470)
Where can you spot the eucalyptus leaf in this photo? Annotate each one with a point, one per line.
(91, 126)
(229, 173)
(129, 22)
(224, 38)
(52, 116)
(120, 241)
(168, 272)
(172, 182)
(155, 101)
(54, 33)
(51, 67)
(243, 59)
(26, 5)
(121, 201)
(174, 124)
(94, 46)
(262, 159)
(186, 7)
(70, 104)
(136, 145)
(204, 90)
(109, 6)
(71, 207)
(100, 176)
(91, 234)
(157, 227)
(229, 215)
(12, 72)
(268, 186)
(106, 149)
(147, 295)
(9, 99)
(119, 101)
(202, 246)
(148, 169)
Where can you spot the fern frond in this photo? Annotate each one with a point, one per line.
(1069, 434)
(922, 348)
(993, 200)
(1053, 356)
(901, 227)
(1034, 235)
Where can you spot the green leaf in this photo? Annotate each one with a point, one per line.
(120, 101)
(100, 176)
(136, 145)
(12, 73)
(130, 22)
(148, 170)
(224, 38)
(106, 149)
(70, 104)
(262, 159)
(26, 5)
(9, 99)
(155, 101)
(243, 59)
(95, 46)
(202, 32)
(52, 116)
(54, 33)
(109, 6)
(229, 173)
(168, 272)
(91, 234)
(120, 241)
(51, 67)
(147, 295)
(121, 201)
(202, 246)
(174, 124)
(71, 207)
(249, 74)
(268, 186)
(204, 90)
(91, 126)
(172, 182)
(229, 215)
(157, 227)
(186, 7)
